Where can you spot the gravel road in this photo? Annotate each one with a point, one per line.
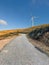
(21, 52)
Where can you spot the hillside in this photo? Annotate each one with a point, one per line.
(25, 30)
(40, 34)
(7, 33)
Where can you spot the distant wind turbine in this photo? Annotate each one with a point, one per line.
(32, 20)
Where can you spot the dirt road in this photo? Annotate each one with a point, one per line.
(21, 52)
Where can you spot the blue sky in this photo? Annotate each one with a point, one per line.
(19, 13)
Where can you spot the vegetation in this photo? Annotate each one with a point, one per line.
(40, 32)
(8, 33)
(40, 35)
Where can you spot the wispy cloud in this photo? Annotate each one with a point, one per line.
(3, 22)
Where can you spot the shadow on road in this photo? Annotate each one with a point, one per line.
(41, 51)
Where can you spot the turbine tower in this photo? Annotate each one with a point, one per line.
(32, 20)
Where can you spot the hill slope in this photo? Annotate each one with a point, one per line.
(40, 35)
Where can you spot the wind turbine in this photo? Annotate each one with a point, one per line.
(32, 20)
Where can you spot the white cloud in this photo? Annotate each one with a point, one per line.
(3, 22)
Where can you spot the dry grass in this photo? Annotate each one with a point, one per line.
(25, 30)
(7, 32)
(4, 42)
(35, 27)
(6, 36)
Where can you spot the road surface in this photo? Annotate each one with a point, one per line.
(21, 52)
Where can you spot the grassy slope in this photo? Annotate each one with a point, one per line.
(16, 31)
(7, 33)
(40, 35)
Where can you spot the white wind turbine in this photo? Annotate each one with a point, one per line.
(32, 20)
